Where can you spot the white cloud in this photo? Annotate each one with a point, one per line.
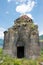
(1, 32)
(24, 8)
(21, 8)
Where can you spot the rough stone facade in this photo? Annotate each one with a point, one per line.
(41, 44)
(22, 39)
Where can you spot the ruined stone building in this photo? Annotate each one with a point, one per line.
(22, 39)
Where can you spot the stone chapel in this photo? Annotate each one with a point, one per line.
(22, 39)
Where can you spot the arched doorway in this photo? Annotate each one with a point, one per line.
(20, 44)
(20, 52)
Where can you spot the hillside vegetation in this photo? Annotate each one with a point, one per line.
(41, 37)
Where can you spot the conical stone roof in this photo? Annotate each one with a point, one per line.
(23, 19)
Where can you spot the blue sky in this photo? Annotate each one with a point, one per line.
(12, 9)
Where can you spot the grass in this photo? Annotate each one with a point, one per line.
(8, 60)
(0, 50)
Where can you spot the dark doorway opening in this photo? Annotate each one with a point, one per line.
(20, 52)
